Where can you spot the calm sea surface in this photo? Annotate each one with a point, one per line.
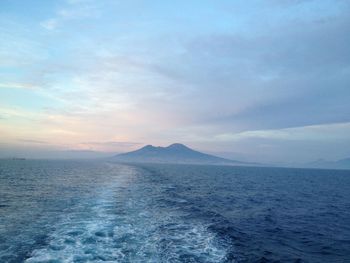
(79, 211)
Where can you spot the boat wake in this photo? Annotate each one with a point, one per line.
(129, 220)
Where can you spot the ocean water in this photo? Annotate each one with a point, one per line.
(79, 211)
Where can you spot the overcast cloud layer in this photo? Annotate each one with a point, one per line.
(256, 80)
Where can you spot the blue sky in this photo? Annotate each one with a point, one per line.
(254, 80)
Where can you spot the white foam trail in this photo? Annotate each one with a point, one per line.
(124, 224)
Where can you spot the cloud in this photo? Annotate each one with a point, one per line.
(19, 48)
(17, 85)
(274, 79)
(32, 141)
(219, 83)
(49, 24)
(16, 112)
(292, 75)
(153, 76)
(75, 10)
(122, 144)
(326, 132)
(110, 146)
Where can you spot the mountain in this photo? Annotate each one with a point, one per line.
(174, 153)
(324, 164)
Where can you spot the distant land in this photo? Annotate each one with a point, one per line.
(324, 164)
(179, 153)
(174, 153)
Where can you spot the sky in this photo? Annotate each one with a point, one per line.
(263, 81)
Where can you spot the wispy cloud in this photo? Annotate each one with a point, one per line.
(109, 146)
(49, 24)
(17, 85)
(122, 144)
(32, 141)
(74, 10)
(326, 132)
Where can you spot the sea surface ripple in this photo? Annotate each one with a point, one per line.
(79, 211)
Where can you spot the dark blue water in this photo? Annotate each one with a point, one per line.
(71, 211)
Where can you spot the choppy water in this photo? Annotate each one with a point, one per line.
(70, 211)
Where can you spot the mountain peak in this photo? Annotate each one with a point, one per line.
(177, 146)
(174, 153)
(149, 146)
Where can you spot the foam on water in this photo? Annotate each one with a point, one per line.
(70, 211)
(125, 222)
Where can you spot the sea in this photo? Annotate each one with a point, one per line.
(100, 211)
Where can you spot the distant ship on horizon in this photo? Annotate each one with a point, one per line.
(18, 158)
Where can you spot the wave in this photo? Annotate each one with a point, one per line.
(129, 220)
